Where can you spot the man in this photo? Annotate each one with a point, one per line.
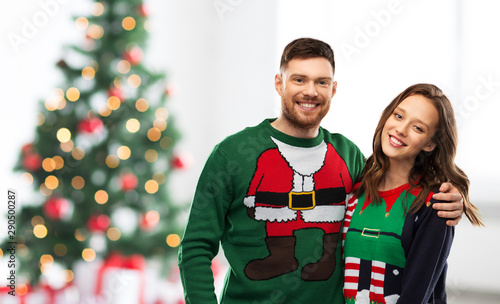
(274, 196)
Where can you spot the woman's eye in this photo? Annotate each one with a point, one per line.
(419, 129)
(398, 116)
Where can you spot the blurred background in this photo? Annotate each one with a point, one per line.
(220, 58)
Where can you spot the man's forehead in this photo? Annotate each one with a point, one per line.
(312, 67)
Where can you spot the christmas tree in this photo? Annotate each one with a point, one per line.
(102, 153)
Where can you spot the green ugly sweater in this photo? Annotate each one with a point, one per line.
(276, 204)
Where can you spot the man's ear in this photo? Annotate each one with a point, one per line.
(334, 88)
(278, 83)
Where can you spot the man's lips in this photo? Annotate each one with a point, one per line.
(396, 142)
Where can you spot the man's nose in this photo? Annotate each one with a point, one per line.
(310, 89)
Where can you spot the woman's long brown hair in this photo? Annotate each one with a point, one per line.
(430, 169)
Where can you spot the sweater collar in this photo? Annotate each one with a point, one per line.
(291, 140)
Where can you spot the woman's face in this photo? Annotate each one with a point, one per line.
(409, 129)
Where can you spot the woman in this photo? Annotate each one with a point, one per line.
(395, 245)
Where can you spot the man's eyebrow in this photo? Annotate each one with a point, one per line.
(297, 75)
(304, 76)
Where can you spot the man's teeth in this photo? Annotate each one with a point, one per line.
(397, 142)
(307, 105)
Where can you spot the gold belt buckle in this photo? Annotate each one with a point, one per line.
(301, 206)
(375, 233)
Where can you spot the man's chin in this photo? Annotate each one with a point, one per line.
(306, 123)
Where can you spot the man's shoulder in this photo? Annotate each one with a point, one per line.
(254, 137)
(248, 133)
(339, 140)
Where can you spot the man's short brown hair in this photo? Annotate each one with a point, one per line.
(304, 48)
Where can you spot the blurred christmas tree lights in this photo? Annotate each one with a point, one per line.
(102, 153)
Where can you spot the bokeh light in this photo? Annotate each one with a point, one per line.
(40, 231)
(78, 182)
(77, 153)
(67, 146)
(151, 186)
(37, 220)
(123, 66)
(101, 197)
(173, 240)
(73, 94)
(88, 254)
(80, 235)
(154, 134)
(112, 161)
(151, 155)
(133, 125)
(63, 135)
(123, 152)
(114, 103)
(95, 31)
(51, 182)
(128, 23)
(134, 81)
(113, 233)
(82, 23)
(97, 9)
(141, 105)
(161, 114)
(88, 73)
(60, 249)
(48, 164)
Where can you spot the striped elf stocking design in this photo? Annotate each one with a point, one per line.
(367, 288)
(377, 282)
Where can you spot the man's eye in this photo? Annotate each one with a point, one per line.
(299, 80)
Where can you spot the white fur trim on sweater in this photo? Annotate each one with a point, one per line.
(249, 201)
(270, 214)
(329, 214)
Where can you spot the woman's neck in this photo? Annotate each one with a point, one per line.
(395, 176)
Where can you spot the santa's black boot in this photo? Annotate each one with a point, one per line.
(324, 267)
(281, 259)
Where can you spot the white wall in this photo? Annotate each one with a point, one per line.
(219, 55)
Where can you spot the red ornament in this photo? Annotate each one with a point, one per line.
(32, 161)
(171, 90)
(57, 208)
(142, 10)
(27, 148)
(181, 161)
(114, 91)
(98, 223)
(90, 125)
(133, 55)
(128, 181)
(149, 220)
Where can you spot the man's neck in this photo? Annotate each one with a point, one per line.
(284, 126)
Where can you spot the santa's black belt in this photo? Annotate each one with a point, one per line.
(302, 200)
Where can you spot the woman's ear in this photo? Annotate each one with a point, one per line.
(429, 147)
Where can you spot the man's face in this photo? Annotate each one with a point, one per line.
(306, 88)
